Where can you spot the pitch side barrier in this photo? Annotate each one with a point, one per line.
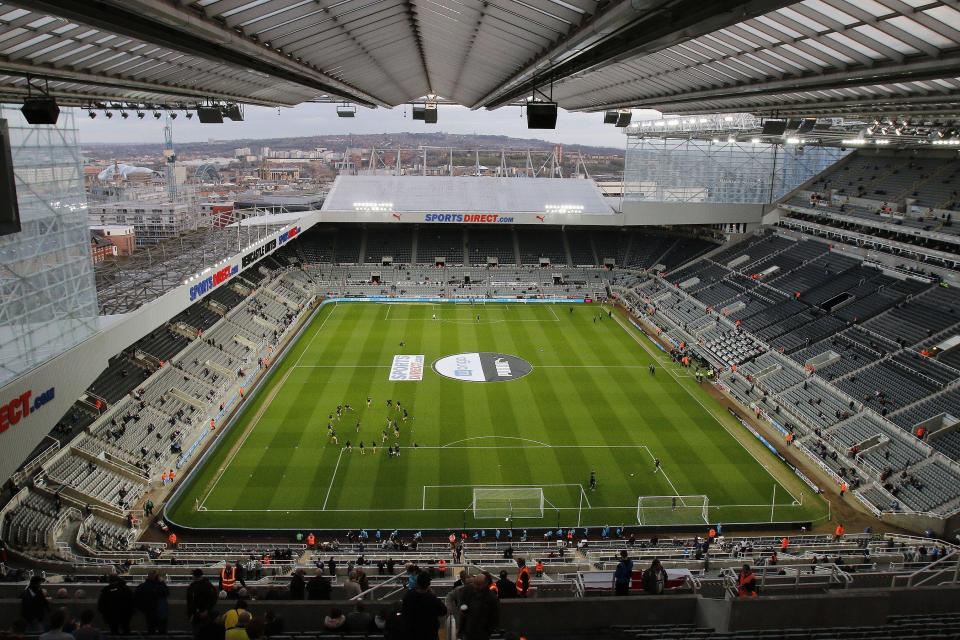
(238, 409)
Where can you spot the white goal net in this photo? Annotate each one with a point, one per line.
(667, 510)
(507, 502)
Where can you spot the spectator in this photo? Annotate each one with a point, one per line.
(58, 621)
(506, 588)
(86, 630)
(298, 586)
(272, 624)
(482, 614)
(351, 588)
(623, 575)
(239, 630)
(201, 595)
(746, 583)
(150, 597)
(655, 578)
(421, 611)
(318, 587)
(334, 620)
(115, 604)
(34, 605)
(206, 627)
(359, 620)
(229, 618)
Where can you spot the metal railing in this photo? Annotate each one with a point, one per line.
(946, 568)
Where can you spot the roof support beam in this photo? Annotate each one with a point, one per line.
(169, 25)
(625, 30)
(907, 71)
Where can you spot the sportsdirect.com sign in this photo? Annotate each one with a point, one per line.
(406, 368)
(13, 411)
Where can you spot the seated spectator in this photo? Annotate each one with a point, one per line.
(87, 631)
(334, 620)
(359, 620)
(239, 630)
(59, 621)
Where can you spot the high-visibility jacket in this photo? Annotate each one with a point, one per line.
(838, 532)
(784, 543)
(311, 539)
(539, 567)
(712, 533)
(843, 487)
(163, 477)
(442, 566)
(228, 579)
(266, 560)
(523, 581)
(493, 587)
(172, 538)
(746, 584)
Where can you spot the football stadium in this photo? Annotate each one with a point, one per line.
(704, 384)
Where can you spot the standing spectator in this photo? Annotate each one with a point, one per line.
(87, 631)
(230, 575)
(332, 567)
(506, 588)
(115, 604)
(359, 620)
(298, 586)
(482, 615)
(655, 578)
(623, 575)
(351, 588)
(318, 587)
(150, 597)
(201, 595)
(34, 605)
(59, 620)
(422, 610)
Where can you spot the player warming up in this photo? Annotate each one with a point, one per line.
(656, 464)
(593, 481)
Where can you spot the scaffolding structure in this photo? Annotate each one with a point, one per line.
(46, 275)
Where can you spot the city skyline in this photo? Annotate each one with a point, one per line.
(321, 119)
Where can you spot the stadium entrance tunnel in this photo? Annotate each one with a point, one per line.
(484, 366)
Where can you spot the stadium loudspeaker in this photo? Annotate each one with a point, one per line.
(233, 112)
(9, 208)
(430, 115)
(419, 113)
(346, 112)
(210, 115)
(40, 110)
(806, 125)
(541, 115)
(623, 118)
(610, 117)
(774, 127)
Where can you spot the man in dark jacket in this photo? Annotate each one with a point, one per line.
(422, 610)
(623, 575)
(655, 578)
(298, 586)
(318, 587)
(482, 615)
(34, 605)
(116, 605)
(201, 595)
(150, 597)
(506, 588)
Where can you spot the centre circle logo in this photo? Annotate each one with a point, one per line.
(482, 367)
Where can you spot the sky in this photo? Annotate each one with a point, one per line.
(321, 119)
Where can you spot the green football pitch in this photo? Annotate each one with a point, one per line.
(516, 451)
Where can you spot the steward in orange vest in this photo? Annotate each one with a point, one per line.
(228, 578)
(523, 578)
(746, 583)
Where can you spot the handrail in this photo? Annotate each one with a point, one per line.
(397, 577)
(929, 572)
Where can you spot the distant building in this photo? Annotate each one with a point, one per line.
(279, 173)
(123, 237)
(152, 221)
(101, 249)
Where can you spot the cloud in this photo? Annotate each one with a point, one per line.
(321, 119)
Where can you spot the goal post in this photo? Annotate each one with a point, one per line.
(672, 510)
(507, 502)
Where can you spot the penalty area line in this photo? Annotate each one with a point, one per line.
(332, 478)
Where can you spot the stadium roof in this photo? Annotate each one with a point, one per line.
(465, 195)
(679, 56)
